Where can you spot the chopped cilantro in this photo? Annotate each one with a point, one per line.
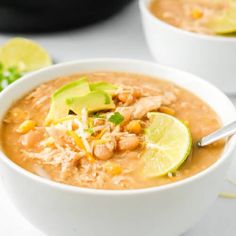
(8, 76)
(116, 118)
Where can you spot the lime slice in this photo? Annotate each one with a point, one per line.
(168, 144)
(226, 23)
(24, 54)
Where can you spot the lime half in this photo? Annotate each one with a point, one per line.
(226, 23)
(168, 144)
(24, 54)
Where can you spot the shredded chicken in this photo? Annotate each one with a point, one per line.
(63, 150)
(33, 138)
(146, 104)
(69, 144)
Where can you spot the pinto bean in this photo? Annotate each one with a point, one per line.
(123, 97)
(103, 152)
(126, 98)
(128, 142)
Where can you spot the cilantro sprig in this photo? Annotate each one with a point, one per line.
(8, 76)
(116, 118)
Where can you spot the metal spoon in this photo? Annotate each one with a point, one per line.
(224, 132)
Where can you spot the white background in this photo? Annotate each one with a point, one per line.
(120, 36)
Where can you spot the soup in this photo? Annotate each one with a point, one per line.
(103, 145)
(200, 16)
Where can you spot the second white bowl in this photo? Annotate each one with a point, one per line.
(211, 57)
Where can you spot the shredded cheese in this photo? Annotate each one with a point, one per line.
(84, 118)
(77, 139)
(100, 134)
(80, 144)
(228, 195)
(232, 181)
(66, 118)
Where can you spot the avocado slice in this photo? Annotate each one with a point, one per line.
(104, 86)
(93, 101)
(59, 107)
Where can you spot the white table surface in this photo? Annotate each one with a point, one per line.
(122, 37)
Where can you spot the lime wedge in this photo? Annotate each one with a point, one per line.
(24, 54)
(226, 23)
(168, 144)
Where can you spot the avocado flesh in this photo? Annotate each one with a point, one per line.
(93, 101)
(104, 86)
(59, 108)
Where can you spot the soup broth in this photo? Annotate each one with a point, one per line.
(190, 15)
(49, 152)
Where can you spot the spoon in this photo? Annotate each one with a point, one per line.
(224, 132)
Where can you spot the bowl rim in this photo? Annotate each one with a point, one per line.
(82, 190)
(143, 6)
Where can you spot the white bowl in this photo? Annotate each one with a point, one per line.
(169, 210)
(211, 57)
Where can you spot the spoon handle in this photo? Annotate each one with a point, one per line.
(224, 132)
